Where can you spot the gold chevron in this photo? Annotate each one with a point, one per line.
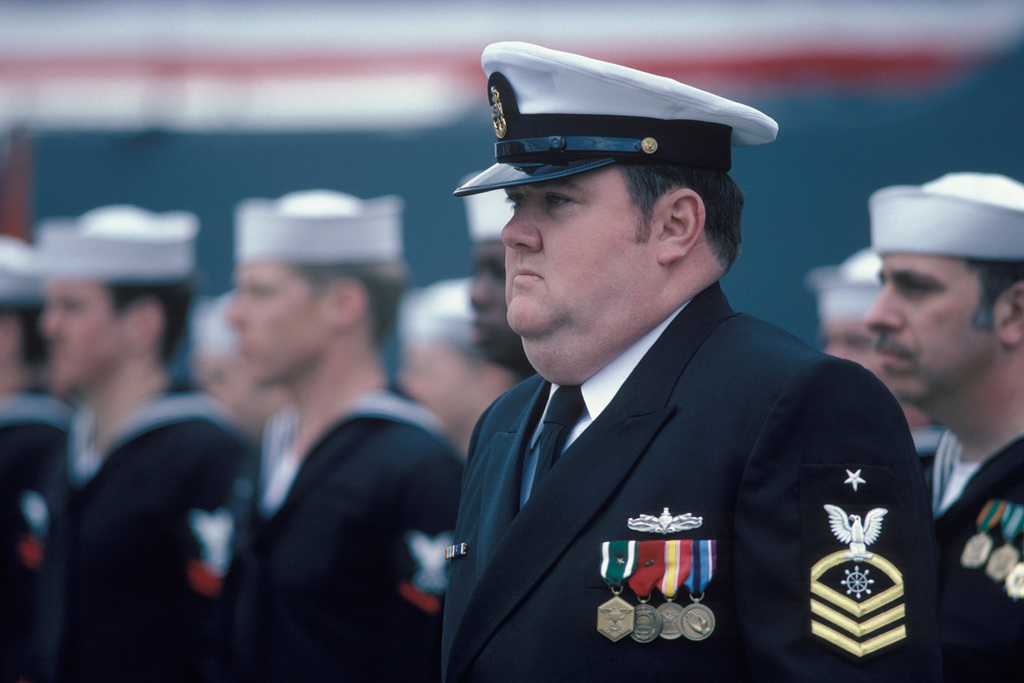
(852, 646)
(858, 629)
(858, 609)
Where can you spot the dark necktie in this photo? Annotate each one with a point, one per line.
(563, 413)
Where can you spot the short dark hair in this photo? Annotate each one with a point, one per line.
(33, 351)
(384, 283)
(995, 278)
(723, 201)
(174, 298)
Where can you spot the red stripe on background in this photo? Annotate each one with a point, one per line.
(794, 66)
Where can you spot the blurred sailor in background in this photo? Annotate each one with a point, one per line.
(137, 538)
(442, 366)
(844, 294)
(339, 574)
(33, 427)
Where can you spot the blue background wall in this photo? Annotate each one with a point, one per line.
(806, 193)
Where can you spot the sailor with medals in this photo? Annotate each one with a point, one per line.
(699, 423)
(950, 320)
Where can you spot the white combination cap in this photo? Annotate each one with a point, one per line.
(438, 315)
(964, 215)
(487, 213)
(847, 291)
(20, 284)
(556, 114)
(319, 227)
(119, 244)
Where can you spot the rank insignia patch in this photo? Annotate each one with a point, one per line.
(857, 598)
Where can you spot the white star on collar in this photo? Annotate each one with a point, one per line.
(854, 479)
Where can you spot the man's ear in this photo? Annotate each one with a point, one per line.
(10, 336)
(346, 302)
(677, 224)
(1008, 315)
(144, 322)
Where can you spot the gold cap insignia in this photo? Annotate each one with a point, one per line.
(649, 145)
(497, 115)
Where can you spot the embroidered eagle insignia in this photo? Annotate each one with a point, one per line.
(858, 534)
(428, 552)
(214, 531)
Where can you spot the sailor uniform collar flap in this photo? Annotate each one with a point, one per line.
(588, 473)
(991, 478)
(161, 411)
(337, 444)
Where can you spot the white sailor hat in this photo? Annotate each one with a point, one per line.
(313, 227)
(557, 114)
(439, 314)
(847, 291)
(964, 215)
(20, 284)
(210, 331)
(487, 213)
(119, 244)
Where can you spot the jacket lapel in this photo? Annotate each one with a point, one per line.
(587, 474)
(503, 480)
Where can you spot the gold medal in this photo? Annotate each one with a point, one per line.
(978, 546)
(646, 623)
(1015, 582)
(976, 550)
(697, 621)
(1001, 562)
(615, 619)
(670, 626)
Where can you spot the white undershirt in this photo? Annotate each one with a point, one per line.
(950, 474)
(959, 474)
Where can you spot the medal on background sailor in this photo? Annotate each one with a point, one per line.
(698, 621)
(1003, 558)
(677, 568)
(978, 546)
(1014, 585)
(650, 567)
(615, 617)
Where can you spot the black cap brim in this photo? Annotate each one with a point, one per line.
(507, 175)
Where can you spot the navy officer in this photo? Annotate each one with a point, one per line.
(682, 490)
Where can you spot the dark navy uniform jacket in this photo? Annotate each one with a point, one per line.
(982, 628)
(345, 581)
(33, 428)
(738, 423)
(127, 591)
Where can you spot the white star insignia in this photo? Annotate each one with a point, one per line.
(620, 560)
(854, 479)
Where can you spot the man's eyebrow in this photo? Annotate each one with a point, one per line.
(568, 183)
(910, 276)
